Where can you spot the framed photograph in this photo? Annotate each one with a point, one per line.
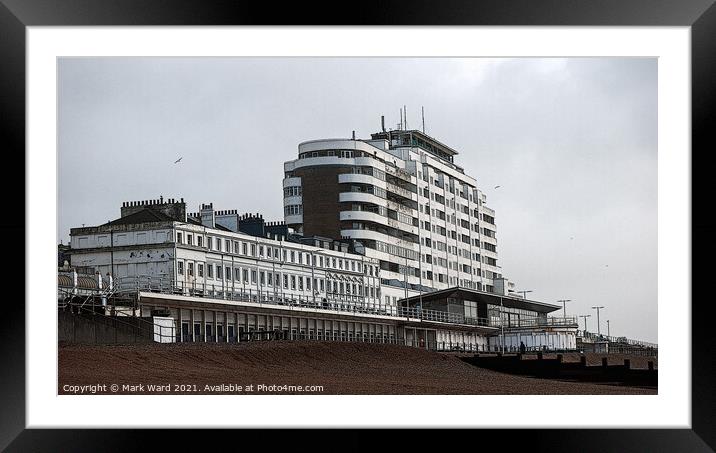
(258, 217)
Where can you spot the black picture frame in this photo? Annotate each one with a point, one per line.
(700, 15)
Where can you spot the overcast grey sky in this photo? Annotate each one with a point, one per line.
(572, 143)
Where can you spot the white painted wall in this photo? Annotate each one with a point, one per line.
(164, 329)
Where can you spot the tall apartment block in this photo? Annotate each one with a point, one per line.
(405, 202)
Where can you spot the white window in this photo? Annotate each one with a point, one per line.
(180, 267)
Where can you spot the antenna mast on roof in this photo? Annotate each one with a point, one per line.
(423, 113)
(406, 118)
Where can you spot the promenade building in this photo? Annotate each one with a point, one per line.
(404, 201)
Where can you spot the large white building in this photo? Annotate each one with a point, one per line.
(402, 198)
(201, 256)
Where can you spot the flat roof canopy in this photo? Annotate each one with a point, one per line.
(483, 297)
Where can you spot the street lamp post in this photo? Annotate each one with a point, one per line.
(608, 328)
(598, 308)
(564, 305)
(585, 321)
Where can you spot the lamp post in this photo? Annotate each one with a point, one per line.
(585, 321)
(597, 308)
(564, 305)
(608, 328)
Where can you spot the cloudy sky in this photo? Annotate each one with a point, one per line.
(571, 142)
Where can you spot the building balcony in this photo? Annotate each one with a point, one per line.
(401, 192)
(395, 206)
(291, 182)
(378, 236)
(361, 197)
(400, 173)
(297, 199)
(367, 216)
(293, 219)
(359, 178)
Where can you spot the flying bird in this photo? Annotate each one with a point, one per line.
(496, 187)
(178, 160)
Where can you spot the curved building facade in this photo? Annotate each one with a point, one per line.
(403, 200)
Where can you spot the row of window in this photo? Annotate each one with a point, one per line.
(442, 262)
(451, 218)
(454, 186)
(293, 209)
(344, 153)
(263, 251)
(292, 191)
(451, 203)
(275, 279)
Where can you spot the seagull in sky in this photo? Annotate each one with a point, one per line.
(178, 160)
(496, 187)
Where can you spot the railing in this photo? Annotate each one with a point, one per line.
(140, 328)
(440, 316)
(343, 303)
(330, 302)
(351, 304)
(400, 191)
(541, 322)
(371, 190)
(615, 340)
(398, 172)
